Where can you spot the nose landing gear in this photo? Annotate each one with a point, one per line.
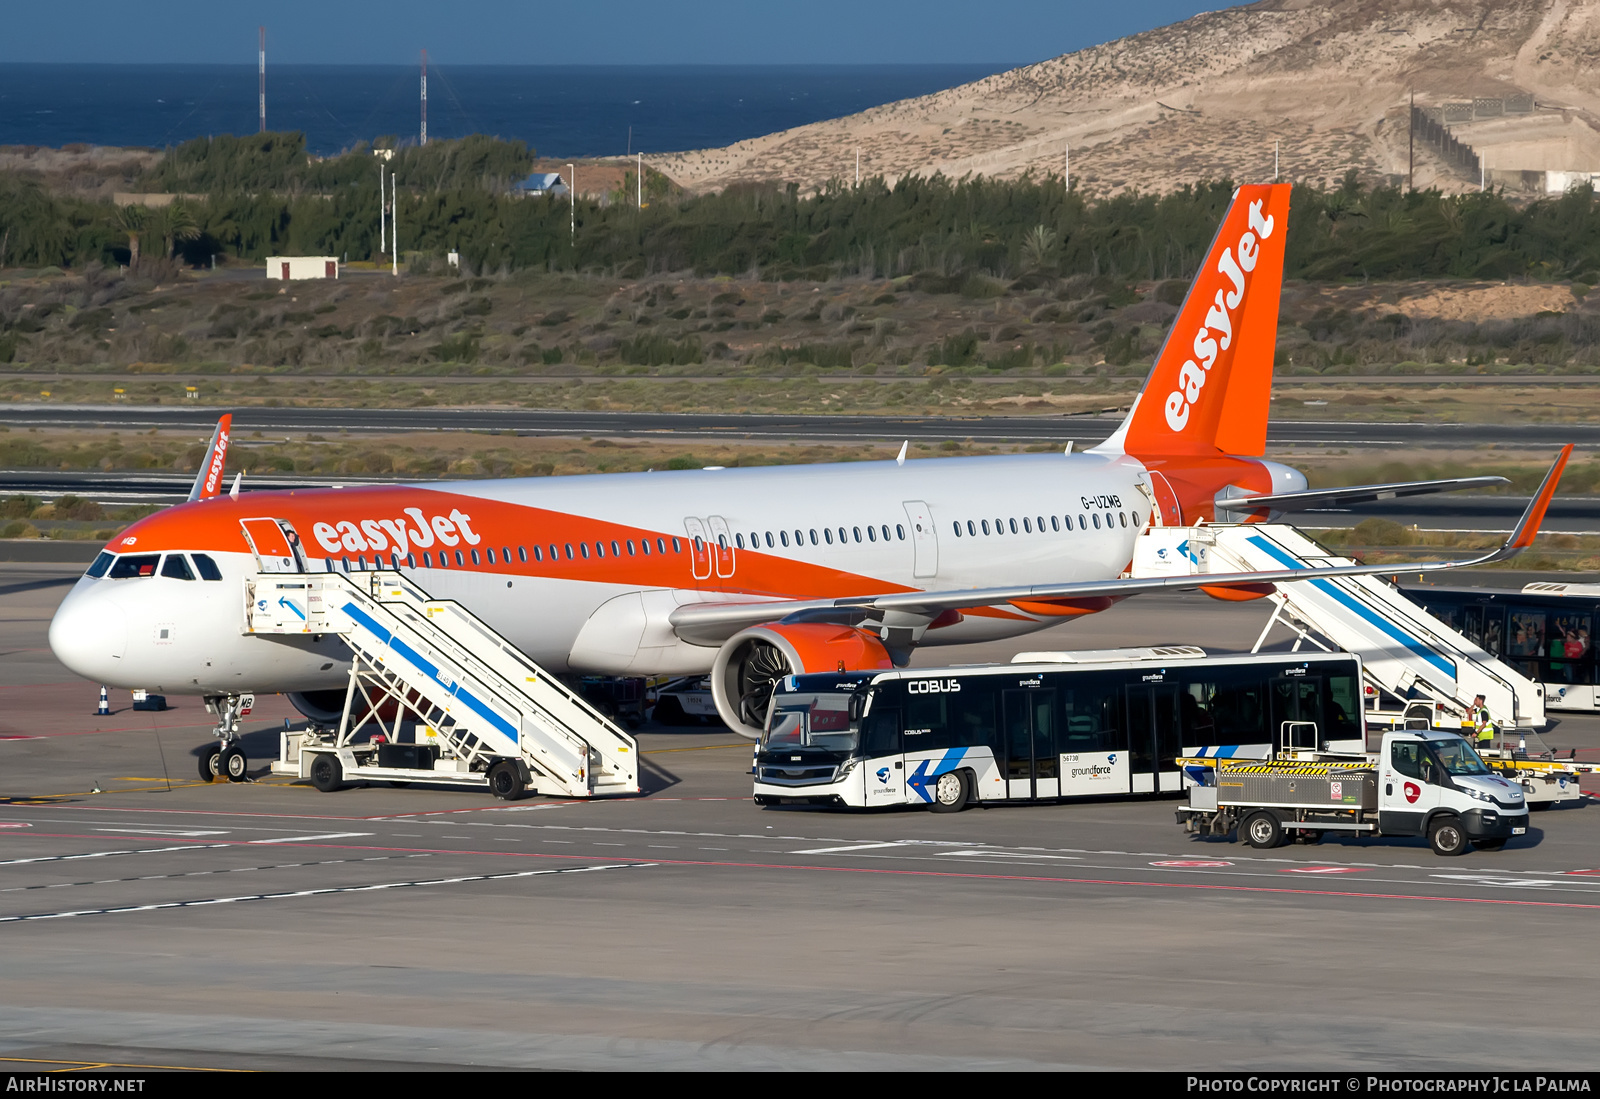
(226, 759)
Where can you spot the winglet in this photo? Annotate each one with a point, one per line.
(900, 459)
(1527, 527)
(208, 482)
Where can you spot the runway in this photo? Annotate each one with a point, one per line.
(1080, 430)
(152, 919)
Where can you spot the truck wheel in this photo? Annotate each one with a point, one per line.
(1447, 837)
(327, 774)
(1489, 845)
(1263, 831)
(505, 781)
(950, 792)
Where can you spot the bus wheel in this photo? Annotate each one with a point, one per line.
(1263, 831)
(950, 792)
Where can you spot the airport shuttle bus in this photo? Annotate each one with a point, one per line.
(1048, 726)
(1545, 631)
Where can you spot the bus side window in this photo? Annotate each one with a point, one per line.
(1089, 715)
(880, 733)
(972, 716)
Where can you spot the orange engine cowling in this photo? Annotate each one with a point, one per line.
(752, 661)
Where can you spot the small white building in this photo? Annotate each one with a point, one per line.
(302, 267)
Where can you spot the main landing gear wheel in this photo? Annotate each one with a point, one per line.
(1446, 837)
(1263, 831)
(505, 781)
(327, 774)
(209, 770)
(233, 763)
(950, 792)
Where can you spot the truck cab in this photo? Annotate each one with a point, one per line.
(1429, 780)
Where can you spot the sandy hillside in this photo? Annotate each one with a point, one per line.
(1206, 98)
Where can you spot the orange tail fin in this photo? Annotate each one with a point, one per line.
(208, 482)
(1210, 387)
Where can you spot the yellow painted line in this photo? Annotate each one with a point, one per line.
(702, 748)
(78, 1066)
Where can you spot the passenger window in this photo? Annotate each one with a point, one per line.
(142, 564)
(783, 536)
(208, 567)
(522, 553)
(769, 540)
(972, 528)
(986, 526)
(556, 556)
(957, 526)
(813, 537)
(459, 559)
(630, 547)
(843, 538)
(537, 555)
(880, 733)
(857, 532)
(101, 564)
(1027, 527)
(475, 560)
(1122, 517)
(583, 548)
(1096, 518)
(616, 551)
(1407, 758)
(176, 568)
(885, 529)
(1083, 523)
(738, 540)
(827, 536)
(677, 546)
(900, 531)
(490, 554)
(599, 549)
(999, 526)
(1055, 524)
(505, 555)
(644, 544)
(569, 551)
(411, 561)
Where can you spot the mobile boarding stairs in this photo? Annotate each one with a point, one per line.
(1406, 653)
(477, 710)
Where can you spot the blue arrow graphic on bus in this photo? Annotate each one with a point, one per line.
(283, 601)
(919, 779)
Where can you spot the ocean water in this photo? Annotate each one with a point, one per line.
(559, 111)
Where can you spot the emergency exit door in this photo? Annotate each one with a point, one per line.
(1153, 738)
(924, 540)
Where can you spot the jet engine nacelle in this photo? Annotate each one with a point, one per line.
(751, 662)
(320, 707)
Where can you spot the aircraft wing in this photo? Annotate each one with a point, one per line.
(1354, 494)
(711, 623)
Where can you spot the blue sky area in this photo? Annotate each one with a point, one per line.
(627, 32)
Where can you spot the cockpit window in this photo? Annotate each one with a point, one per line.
(101, 564)
(208, 567)
(135, 564)
(176, 568)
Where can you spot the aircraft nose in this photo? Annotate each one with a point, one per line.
(89, 634)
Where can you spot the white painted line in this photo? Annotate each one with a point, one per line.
(839, 850)
(324, 836)
(187, 833)
(109, 854)
(319, 892)
(971, 853)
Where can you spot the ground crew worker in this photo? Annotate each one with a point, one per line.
(1482, 723)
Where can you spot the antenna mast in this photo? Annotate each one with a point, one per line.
(261, 67)
(425, 97)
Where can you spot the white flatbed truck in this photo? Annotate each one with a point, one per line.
(1417, 784)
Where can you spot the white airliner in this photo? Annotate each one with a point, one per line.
(750, 574)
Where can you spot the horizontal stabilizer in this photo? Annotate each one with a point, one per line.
(1354, 494)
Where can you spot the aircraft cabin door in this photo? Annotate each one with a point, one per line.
(275, 544)
(1153, 738)
(1033, 760)
(699, 548)
(721, 546)
(924, 541)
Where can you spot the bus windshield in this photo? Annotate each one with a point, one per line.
(829, 721)
(1458, 756)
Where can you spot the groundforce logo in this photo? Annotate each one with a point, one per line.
(1217, 333)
